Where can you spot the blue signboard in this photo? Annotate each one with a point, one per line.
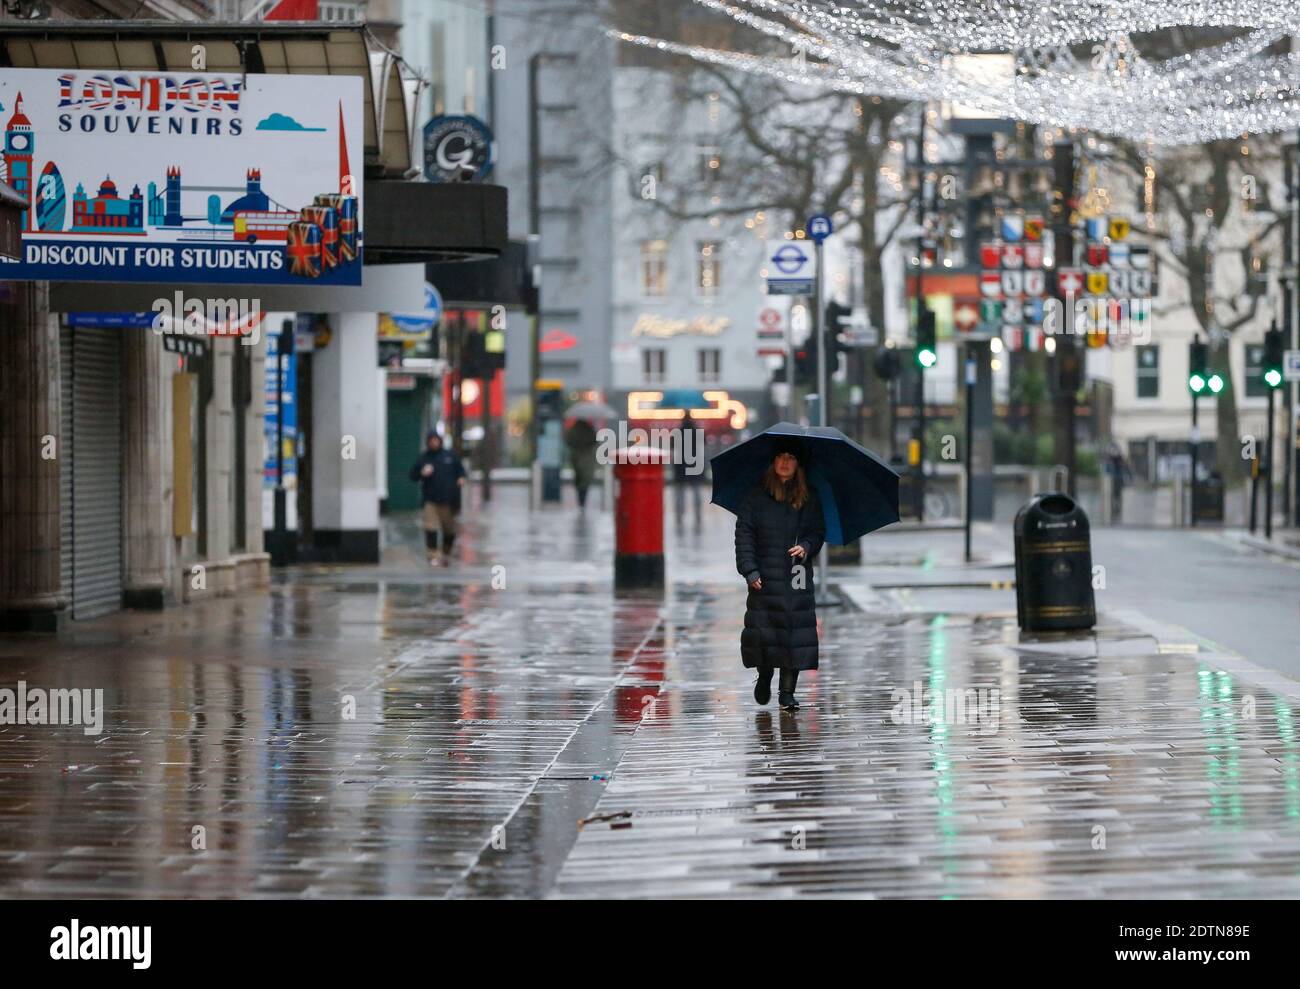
(289, 388)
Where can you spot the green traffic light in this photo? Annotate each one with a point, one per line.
(1273, 377)
(1196, 383)
(926, 358)
(1216, 383)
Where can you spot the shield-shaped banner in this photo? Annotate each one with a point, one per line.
(965, 314)
(1119, 227)
(1034, 311)
(1033, 339)
(990, 284)
(990, 254)
(1095, 227)
(1097, 254)
(1013, 311)
(1140, 257)
(1119, 255)
(1139, 283)
(1013, 335)
(1033, 228)
(990, 311)
(1033, 255)
(1013, 227)
(1013, 283)
(1013, 256)
(1035, 282)
(1070, 280)
(1098, 281)
(1119, 281)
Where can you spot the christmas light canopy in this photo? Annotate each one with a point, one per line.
(1075, 63)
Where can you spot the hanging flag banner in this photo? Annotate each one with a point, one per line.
(193, 177)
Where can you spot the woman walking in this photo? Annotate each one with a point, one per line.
(779, 532)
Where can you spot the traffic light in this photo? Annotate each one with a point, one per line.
(834, 318)
(926, 354)
(1197, 363)
(1069, 366)
(1273, 358)
(886, 363)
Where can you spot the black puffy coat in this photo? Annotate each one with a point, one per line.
(780, 618)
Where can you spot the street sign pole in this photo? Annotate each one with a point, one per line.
(1196, 442)
(1268, 472)
(970, 425)
(819, 227)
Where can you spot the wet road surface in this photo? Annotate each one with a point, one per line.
(401, 731)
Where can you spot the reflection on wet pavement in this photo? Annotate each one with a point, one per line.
(395, 731)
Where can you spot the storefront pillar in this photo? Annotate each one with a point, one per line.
(31, 452)
(144, 550)
(346, 423)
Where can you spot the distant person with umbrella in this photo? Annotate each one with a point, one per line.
(683, 478)
(582, 442)
(792, 488)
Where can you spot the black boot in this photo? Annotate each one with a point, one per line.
(763, 685)
(785, 692)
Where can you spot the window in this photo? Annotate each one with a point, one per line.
(654, 268)
(708, 278)
(654, 365)
(1255, 387)
(708, 362)
(1148, 370)
(709, 166)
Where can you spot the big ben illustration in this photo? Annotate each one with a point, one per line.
(18, 156)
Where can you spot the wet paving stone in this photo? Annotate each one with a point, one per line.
(493, 718)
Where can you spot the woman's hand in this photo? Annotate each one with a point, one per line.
(796, 551)
(756, 583)
(426, 470)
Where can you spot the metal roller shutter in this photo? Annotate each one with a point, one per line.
(96, 472)
(65, 459)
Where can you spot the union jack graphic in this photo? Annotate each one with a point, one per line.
(346, 208)
(148, 94)
(326, 218)
(303, 249)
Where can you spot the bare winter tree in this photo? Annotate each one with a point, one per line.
(1218, 232)
(788, 148)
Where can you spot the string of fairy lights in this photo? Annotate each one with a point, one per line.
(1064, 63)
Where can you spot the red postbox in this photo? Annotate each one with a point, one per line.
(639, 516)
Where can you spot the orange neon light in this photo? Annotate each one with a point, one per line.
(724, 407)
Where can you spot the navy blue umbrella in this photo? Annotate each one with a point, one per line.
(858, 491)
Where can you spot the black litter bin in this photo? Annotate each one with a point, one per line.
(909, 489)
(1209, 498)
(1053, 565)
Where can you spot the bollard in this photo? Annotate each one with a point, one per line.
(1053, 565)
(639, 517)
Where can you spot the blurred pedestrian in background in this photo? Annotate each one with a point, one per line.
(688, 464)
(440, 475)
(779, 532)
(580, 438)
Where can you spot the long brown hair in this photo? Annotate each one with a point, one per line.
(795, 490)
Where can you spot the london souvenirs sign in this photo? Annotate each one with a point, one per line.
(186, 177)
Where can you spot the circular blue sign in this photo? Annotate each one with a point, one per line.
(789, 258)
(457, 145)
(819, 227)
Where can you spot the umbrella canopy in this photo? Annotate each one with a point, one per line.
(683, 398)
(590, 411)
(858, 491)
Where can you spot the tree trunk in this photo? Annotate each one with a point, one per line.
(1227, 445)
